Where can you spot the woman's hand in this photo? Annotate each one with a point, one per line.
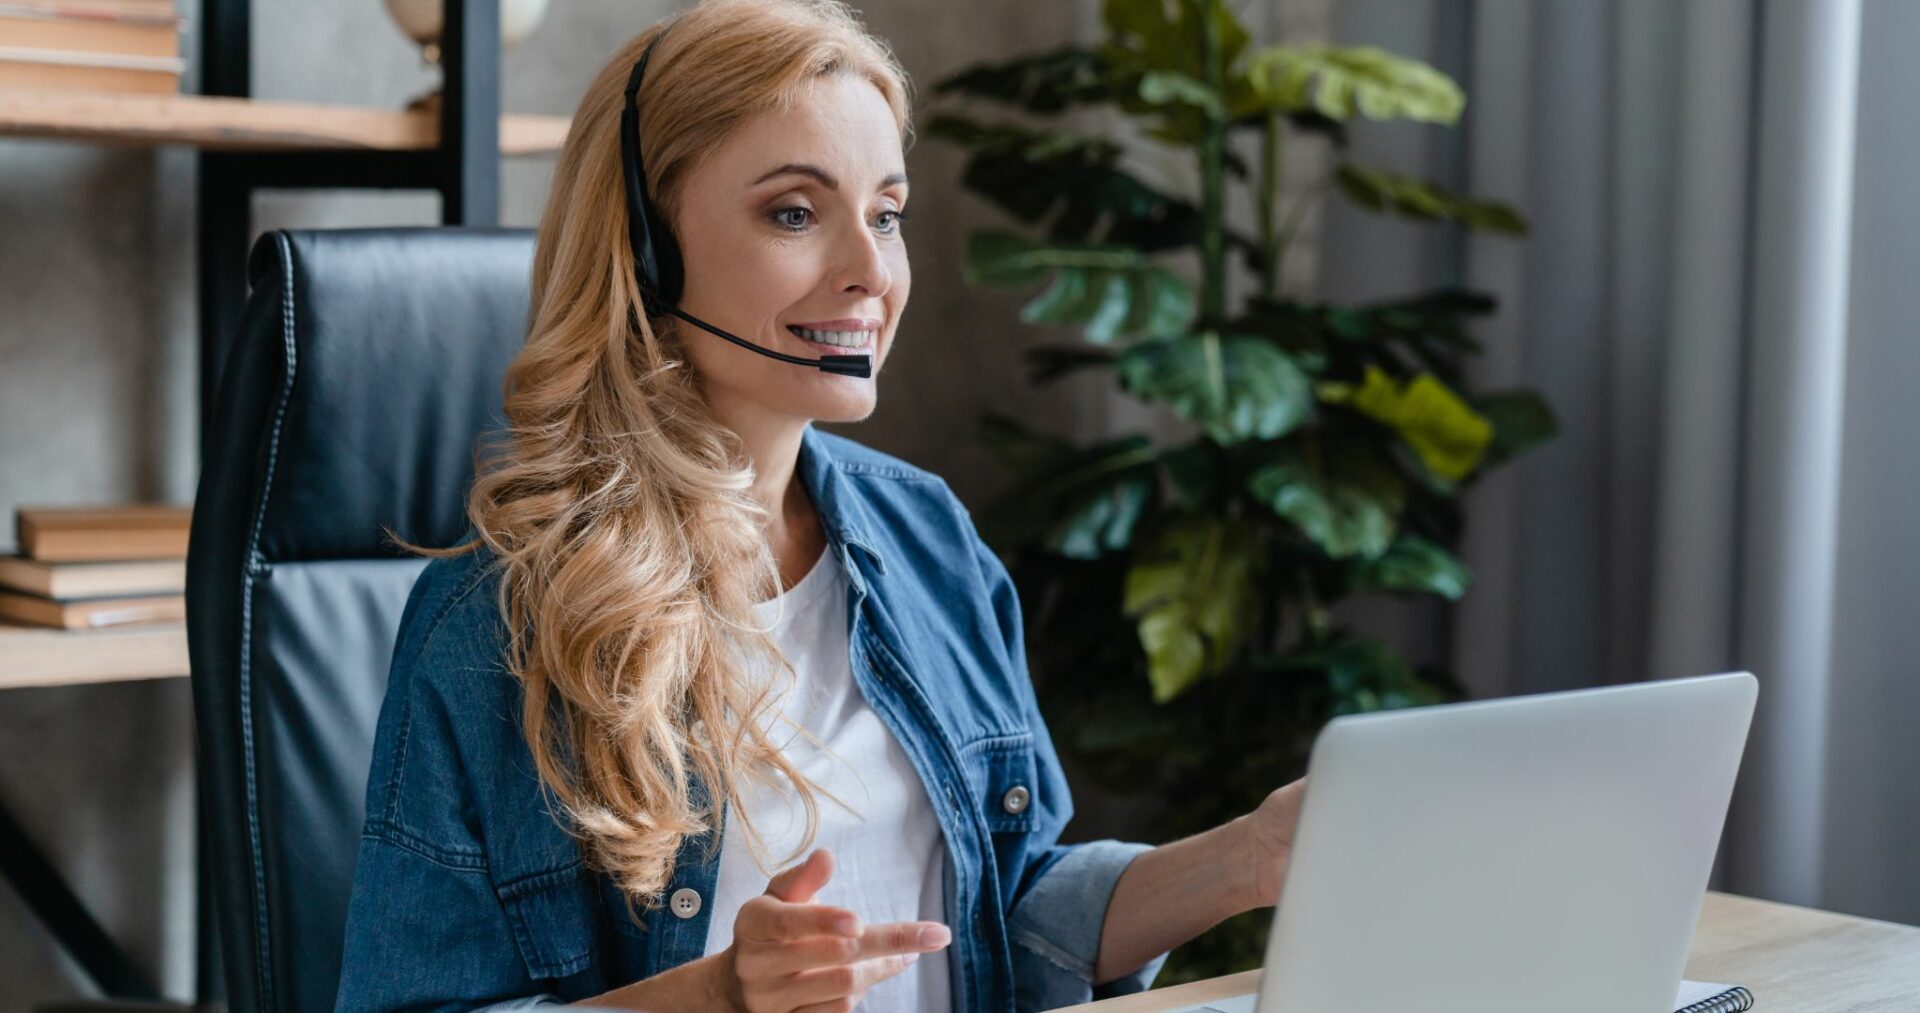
(790, 954)
(1268, 832)
(1168, 895)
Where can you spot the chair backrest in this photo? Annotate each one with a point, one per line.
(369, 361)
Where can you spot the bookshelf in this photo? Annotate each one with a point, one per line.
(214, 123)
(245, 145)
(37, 656)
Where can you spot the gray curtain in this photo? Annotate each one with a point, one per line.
(1714, 296)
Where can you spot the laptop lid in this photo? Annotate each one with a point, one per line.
(1529, 853)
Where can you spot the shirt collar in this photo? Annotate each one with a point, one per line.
(842, 514)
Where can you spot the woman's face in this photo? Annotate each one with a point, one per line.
(791, 228)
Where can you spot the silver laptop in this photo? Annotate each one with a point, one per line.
(1535, 853)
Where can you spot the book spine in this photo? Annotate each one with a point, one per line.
(91, 60)
(147, 613)
(94, 546)
(118, 37)
(127, 12)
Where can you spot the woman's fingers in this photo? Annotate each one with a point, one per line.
(798, 884)
(903, 937)
(820, 951)
(841, 981)
(768, 920)
(790, 953)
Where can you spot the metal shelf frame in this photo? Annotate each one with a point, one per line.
(465, 170)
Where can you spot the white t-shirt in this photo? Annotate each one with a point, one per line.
(889, 856)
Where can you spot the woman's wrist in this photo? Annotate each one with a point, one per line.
(704, 984)
(1267, 842)
(1243, 860)
(1172, 893)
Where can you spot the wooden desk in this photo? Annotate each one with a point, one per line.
(1793, 959)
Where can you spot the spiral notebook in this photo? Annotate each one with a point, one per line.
(1694, 997)
(1706, 997)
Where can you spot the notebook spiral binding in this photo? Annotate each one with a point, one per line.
(1733, 1000)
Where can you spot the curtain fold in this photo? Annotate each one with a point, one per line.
(1701, 179)
(1803, 216)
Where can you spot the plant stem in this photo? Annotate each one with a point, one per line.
(1283, 243)
(1315, 620)
(1269, 205)
(1213, 146)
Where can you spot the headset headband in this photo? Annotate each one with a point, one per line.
(656, 258)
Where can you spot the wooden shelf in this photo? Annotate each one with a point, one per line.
(237, 124)
(38, 656)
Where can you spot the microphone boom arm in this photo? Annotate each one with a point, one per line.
(841, 365)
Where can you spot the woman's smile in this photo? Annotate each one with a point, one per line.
(838, 335)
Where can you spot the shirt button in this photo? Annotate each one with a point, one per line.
(685, 902)
(1016, 799)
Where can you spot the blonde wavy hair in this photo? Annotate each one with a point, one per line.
(629, 549)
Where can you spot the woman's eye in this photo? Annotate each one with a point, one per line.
(899, 219)
(783, 218)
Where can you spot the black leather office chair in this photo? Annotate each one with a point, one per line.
(367, 364)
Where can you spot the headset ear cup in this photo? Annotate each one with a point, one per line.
(656, 257)
(669, 272)
(639, 221)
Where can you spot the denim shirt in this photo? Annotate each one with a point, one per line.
(470, 892)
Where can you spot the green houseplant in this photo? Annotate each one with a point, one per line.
(1181, 599)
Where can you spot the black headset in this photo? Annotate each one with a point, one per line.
(656, 257)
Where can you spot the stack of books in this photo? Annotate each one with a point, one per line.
(82, 568)
(95, 594)
(91, 45)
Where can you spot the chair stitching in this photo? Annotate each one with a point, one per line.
(264, 971)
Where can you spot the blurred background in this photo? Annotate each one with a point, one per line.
(1650, 259)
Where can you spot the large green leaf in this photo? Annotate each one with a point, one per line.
(1235, 387)
(1343, 497)
(1020, 451)
(1029, 142)
(1047, 83)
(1067, 184)
(1521, 419)
(1384, 191)
(1443, 429)
(1077, 503)
(1343, 340)
(1193, 473)
(1414, 565)
(1072, 187)
(1191, 589)
(1047, 363)
(1155, 35)
(1166, 87)
(1096, 499)
(1160, 49)
(1367, 675)
(1337, 82)
(1109, 291)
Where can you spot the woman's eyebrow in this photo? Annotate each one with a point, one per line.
(826, 178)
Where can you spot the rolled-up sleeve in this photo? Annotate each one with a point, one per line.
(1056, 927)
(1059, 912)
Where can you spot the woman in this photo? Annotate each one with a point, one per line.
(693, 639)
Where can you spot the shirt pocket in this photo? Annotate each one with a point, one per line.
(553, 921)
(1003, 779)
